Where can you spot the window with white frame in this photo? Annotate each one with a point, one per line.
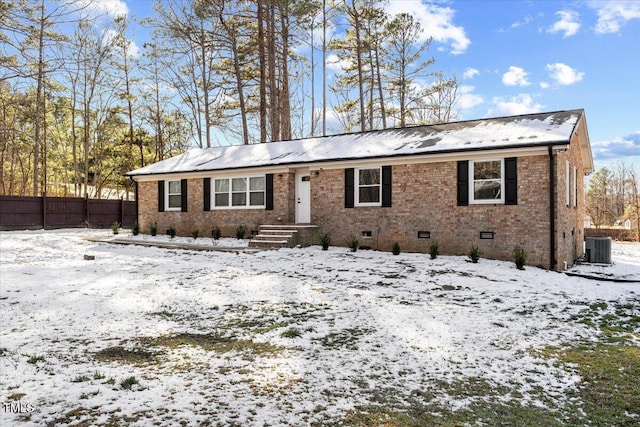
(173, 195)
(368, 187)
(487, 181)
(240, 192)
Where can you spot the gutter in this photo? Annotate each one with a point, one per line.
(552, 211)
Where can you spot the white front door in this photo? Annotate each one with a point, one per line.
(303, 198)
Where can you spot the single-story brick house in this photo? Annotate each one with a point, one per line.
(494, 183)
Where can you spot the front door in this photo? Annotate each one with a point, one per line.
(303, 198)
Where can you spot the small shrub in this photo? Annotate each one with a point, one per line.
(195, 234)
(325, 240)
(519, 257)
(353, 243)
(98, 376)
(433, 250)
(474, 254)
(115, 227)
(171, 232)
(153, 228)
(136, 229)
(216, 233)
(240, 231)
(127, 383)
(395, 248)
(80, 379)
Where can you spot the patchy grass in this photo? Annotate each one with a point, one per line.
(291, 333)
(129, 382)
(214, 343)
(347, 338)
(610, 368)
(35, 359)
(135, 356)
(610, 389)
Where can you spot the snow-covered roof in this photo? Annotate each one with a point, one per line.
(485, 134)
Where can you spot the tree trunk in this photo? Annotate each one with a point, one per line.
(285, 106)
(262, 77)
(39, 110)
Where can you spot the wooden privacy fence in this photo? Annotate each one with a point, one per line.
(19, 213)
(614, 233)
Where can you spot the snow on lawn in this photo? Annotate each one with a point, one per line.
(283, 337)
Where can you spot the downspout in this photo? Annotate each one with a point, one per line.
(135, 186)
(552, 211)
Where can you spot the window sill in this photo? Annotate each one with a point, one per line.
(486, 202)
(235, 208)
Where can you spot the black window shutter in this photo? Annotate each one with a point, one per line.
(160, 196)
(386, 186)
(268, 202)
(206, 189)
(511, 181)
(183, 194)
(348, 188)
(463, 183)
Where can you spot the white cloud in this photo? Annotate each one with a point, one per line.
(516, 76)
(522, 23)
(520, 104)
(133, 50)
(467, 99)
(544, 85)
(612, 15)
(569, 23)
(335, 63)
(106, 7)
(625, 146)
(436, 21)
(564, 74)
(470, 73)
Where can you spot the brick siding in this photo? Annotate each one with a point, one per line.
(424, 199)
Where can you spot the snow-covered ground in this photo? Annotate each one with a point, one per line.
(283, 337)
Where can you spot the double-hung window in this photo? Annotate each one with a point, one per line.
(174, 195)
(240, 192)
(368, 186)
(487, 181)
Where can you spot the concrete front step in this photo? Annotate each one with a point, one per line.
(272, 236)
(283, 235)
(268, 243)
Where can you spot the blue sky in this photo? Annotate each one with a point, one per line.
(517, 57)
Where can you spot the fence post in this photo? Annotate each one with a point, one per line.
(86, 209)
(121, 212)
(44, 210)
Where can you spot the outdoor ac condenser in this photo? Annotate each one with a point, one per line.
(598, 250)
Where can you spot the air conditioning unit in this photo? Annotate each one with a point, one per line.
(598, 250)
